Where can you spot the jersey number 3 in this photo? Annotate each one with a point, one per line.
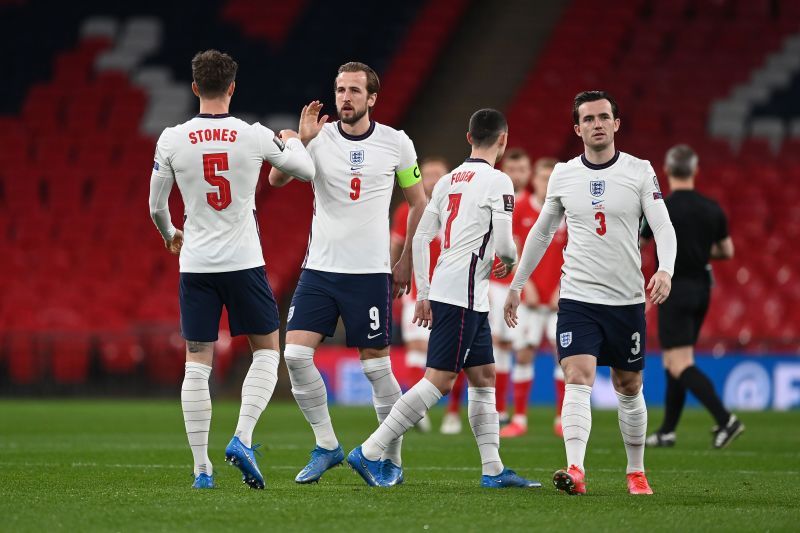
(600, 217)
(455, 202)
(211, 164)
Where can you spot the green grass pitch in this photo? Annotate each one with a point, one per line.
(125, 465)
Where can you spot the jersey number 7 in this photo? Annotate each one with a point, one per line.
(455, 202)
(211, 164)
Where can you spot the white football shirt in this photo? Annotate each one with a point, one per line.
(353, 186)
(604, 206)
(216, 161)
(464, 201)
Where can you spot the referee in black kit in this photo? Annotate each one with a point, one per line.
(702, 231)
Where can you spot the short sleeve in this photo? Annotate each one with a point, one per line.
(270, 147)
(407, 170)
(501, 199)
(162, 160)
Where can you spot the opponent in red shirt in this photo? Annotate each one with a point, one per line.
(540, 298)
(416, 337)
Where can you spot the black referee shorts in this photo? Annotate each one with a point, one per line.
(681, 316)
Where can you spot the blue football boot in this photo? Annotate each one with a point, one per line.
(370, 471)
(321, 461)
(244, 459)
(391, 474)
(508, 478)
(203, 481)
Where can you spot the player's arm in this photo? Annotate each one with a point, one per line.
(427, 229)
(398, 235)
(161, 181)
(655, 211)
(410, 181)
(285, 153)
(723, 246)
(539, 238)
(310, 126)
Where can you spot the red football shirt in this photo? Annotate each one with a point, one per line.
(399, 232)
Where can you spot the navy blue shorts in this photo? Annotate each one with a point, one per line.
(615, 334)
(364, 301)
(245, 293)
(460, 338)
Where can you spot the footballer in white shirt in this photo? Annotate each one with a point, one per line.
(215, 159)
(347, 272)
(604, 194)
(473, 205)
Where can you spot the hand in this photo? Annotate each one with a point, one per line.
(285, 135)
(310, 123)
(423, 317)
(510, 308)
(174, 246)
(660, 285)
(502, 270)
(401, 277)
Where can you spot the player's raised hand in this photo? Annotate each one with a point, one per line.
(510, 308)
(660, 286)
(310, 123)
(174, 246)
(285, 135)
(401, 278)
(423, 317)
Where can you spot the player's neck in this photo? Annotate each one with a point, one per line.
(214, 107)
(357, 129)
(487, 154)
(681, 185)
(600, 157)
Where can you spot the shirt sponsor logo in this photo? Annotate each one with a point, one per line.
(356, 157)
(597, 187)
(508, 202)
(565, 339)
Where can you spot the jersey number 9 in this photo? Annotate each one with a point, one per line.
(211, 164)
(355, 186)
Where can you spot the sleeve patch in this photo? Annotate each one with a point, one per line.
(658, 196)
(508, 202)
(279, 143)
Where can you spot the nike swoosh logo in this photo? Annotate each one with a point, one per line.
(373, 336)
(633, 360)
(595, 202)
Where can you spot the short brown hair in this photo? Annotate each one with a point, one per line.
(593, 96)
(213, 72)
(373, 82)
(545, 162)
(515, 154)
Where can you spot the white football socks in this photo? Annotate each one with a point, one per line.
(196, 404)
(309, 390)
(257, 390)
(633, 425)
(385, 392)
(576, 420)
(405, 414)
(485, 424)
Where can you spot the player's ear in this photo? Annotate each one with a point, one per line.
(371, 99)
(469, 138)
(231, 88)
(195, 89)
(616, 124)
(577, 128)
(502, 140)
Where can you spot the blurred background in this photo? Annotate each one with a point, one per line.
(88, 295)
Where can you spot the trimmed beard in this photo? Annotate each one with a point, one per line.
(355, 118)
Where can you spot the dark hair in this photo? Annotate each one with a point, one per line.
(373, 82)
(593, 96)
(515, 154)
(681, 161)
(213, 72)
(486, 125)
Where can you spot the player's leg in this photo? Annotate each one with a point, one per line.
(416, 341)
(313, 315)
(503, 345)
(201, 309)
(451, 421)
(482, 411)
(558, 373)
(527, 342)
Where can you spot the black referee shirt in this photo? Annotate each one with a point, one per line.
(699, 222)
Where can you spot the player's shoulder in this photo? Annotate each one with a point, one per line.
(388, 131)
(636, 164)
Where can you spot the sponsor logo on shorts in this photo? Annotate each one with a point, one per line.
(291, 314)
(565, 339)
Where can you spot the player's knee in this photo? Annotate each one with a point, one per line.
(373, 353)
(628, 384)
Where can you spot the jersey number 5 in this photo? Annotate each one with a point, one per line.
(211, 164)
(455, 202)
(600, 217)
